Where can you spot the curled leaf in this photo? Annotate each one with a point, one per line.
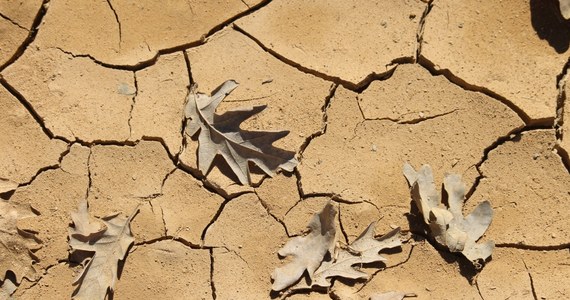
(308, 251)
(108, 245)
(447, 224)
(220, 135)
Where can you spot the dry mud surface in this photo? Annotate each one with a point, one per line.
(92, 96)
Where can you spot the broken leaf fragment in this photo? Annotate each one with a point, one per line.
(309, 253)
(108, 244)
(16, 245)
(221, 135)
(447, 225)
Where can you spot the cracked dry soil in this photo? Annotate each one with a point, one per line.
(92, 96)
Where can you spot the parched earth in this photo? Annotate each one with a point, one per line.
(92, 97)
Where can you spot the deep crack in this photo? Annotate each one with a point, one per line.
(165, 51)
(172, 238)
(31, 36)
(212, 284)
(29, 107)
(214, 219)
(344, 234)
(430, 66)
(191, 81)
(534, 247)
(356, 87)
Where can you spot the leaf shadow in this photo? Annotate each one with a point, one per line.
(549, 24)
(7, 195)
(257, 175)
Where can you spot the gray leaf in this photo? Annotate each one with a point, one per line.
(308, 251)
(220, 135)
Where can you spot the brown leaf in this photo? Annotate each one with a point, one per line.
(108, 245)
(16, 245)
(220, 135)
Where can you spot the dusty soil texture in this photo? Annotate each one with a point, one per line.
(92, 95)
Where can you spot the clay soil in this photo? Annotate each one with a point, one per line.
(92, 96)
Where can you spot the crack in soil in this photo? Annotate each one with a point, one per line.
(344, 234)
(47, 168)
(165, 51)
(430, 66)
(356, 87)
(531, 280)
(511, 135)
(533, 247)
(397, 121)
(264, 204)
(325, 117)
(479, 290)
(212, 284)
(31, 36)
(214, 219)
(118, 23)
(3, 16)
(191, 81)
(29, 107)
(134, 101)
(420, 32)
(172, 238)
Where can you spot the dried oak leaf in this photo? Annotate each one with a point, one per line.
(307, 251)
(447, 224)
(365, 249)
(220, 134)
(108, 243)
(16, 245)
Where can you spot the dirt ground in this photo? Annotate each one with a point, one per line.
(92, 97)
